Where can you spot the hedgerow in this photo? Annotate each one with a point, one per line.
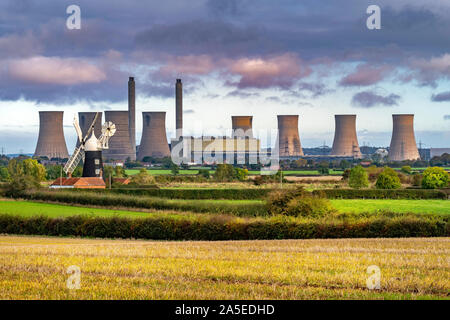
(226, 227)
(411, 194)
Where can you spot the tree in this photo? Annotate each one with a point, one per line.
(344, 164)
(4, 174)
(54, 172)
(435, 177)
(358, 178)
(241, 174)
(174, 169)
(406, 169)
(388, 179)
(224, 172)
(204, 173)
(119, 172)
(142, 178)
(24, 175)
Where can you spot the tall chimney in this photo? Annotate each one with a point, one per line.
(132, 112)
(179, 108)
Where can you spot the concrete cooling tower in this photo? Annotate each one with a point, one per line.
(242, 126)
(345, 142)
(51, 142)
(179, 108)
(154, 138)
(119, 145)
(85, 120)
(403, 143)
(288, 137)
(132, 111)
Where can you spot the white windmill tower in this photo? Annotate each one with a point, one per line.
(90, 149)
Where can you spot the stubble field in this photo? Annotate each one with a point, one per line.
(35, 268)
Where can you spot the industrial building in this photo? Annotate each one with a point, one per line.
(119, 146)
(345, 142)
(51, 142)
(85, 119)
(242, 126)
(154, 139)
(403, 143)
(289, 145)
(132, 112)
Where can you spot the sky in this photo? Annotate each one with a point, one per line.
(314, 58)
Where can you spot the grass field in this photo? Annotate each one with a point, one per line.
(28, 209)
(36, 268)
(251, 172)
(400, 206)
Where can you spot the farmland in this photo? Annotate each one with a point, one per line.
(28, 209)
(35, 268)
(251, 172)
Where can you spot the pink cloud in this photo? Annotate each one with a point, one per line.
(365, 75)
(278, 71)
(427, 72)
(55, 70)
(189, 65)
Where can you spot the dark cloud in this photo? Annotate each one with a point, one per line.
(365, 75)
(440, 97)
(369, 99)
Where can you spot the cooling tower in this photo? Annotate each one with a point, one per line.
(132, 111)
(345, 142)
(85, 120)
(179, 108)
(119, 145)
(154, 139)
(242, 126)
(403, 143)
(288, 138)
(51, 143)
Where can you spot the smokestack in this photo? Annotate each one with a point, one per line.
(345, 142)
(403, 143)
(119, 145)
(132, 111)
(288, 137)
(179, 108)
(51, 142)
(242, 126)
(85, 120)
(154, 138)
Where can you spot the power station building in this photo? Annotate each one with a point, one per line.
(119, 145)
(289, 145)
(51, 142)
(403, 143)
(85, 119)
(154, 138)
(345, 142)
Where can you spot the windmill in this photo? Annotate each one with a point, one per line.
(90, 149)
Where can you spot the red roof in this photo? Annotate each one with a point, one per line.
(79, 182)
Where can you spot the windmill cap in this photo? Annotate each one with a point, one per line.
(91, 144)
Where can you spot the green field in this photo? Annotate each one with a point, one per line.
(399, 206)
(27, 209)
(251, 172)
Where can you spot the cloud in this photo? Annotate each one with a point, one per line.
(191, 65)
(278, 71)
(369, 99)
(314, 89)
(55, 71)
(428, 71)
(242, 94)
(440, 97)
(365, 75)
(447, 117)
